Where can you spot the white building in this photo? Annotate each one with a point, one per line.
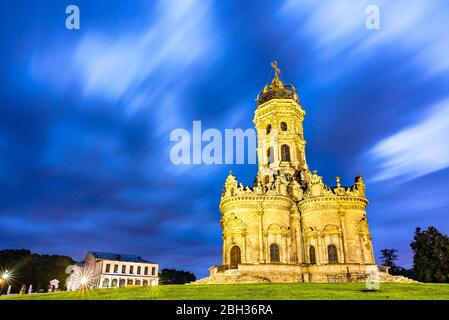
(54, 285)
(111, 270)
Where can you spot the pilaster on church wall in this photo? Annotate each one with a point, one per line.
(351, 218)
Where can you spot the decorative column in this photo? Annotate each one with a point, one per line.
(274, 142)
(296, 224)
(361, 247)
(267, 254)
(342, 252)
(224, 250)
(342, 224)
(244, 260)
(322, 252)
(300, 258)
(261, 246)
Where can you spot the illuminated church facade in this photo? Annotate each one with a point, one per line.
(290, 226)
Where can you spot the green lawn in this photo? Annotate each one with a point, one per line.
(300, 291)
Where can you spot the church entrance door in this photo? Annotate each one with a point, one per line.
(235, 257)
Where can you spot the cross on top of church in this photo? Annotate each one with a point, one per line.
(275, 66)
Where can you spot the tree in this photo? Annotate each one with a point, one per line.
(388, 257)
(30, 268)
(173, 276)
(431, 255)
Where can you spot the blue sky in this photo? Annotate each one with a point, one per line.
(86, 116)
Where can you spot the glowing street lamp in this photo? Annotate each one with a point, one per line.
(84, 280)
(4, 280)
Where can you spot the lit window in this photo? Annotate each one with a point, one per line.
(312, 255)
(285, 152)
(274, 253)
(332, 254)
(283, 126)
(105, 283)
(269, 129)
(270, 155)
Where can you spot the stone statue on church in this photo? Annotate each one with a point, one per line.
(296, 190)
(230, 185)
(258, 189)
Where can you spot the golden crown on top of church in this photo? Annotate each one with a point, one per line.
(277, 90)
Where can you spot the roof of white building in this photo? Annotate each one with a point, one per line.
(118, 257)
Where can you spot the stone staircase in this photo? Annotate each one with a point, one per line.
(385, 277)
(235, 276)
(230, 276)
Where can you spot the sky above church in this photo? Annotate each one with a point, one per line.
(86, 116)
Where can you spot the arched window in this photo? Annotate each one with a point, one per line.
(332, 253)
(114, 283)
(145, 282)
(122, 283)
(270, 155)
(235, 256)
(274, 253)
(105, 283)
(269, 129)
(129, 282)
(137, 282)
(283, 126)
(312, 255)
(285, 153)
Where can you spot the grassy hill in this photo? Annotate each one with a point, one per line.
(300, 291)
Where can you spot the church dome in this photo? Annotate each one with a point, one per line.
(277, 89)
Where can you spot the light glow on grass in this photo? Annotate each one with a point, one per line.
(152, 291)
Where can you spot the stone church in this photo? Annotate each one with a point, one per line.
(290, 226)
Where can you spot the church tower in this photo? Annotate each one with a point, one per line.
(280, 135)
(290, 226)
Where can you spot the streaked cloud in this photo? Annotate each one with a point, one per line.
(415, 28)
(415, 150)
(138, 65)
